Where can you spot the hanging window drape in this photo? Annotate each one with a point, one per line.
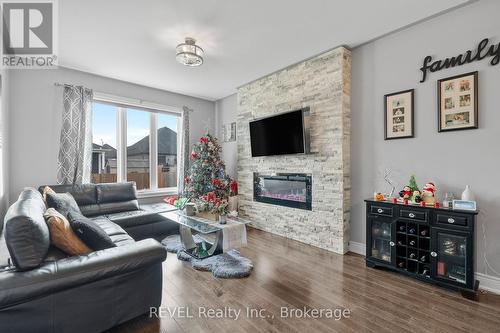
(183, 159)
(75, 152)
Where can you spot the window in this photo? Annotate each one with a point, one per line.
(134, 143)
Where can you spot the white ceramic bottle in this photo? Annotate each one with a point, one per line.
(467, 194)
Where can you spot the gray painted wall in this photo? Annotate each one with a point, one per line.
(35, 118)
(451, 159)
(225, 110)
(4, 133)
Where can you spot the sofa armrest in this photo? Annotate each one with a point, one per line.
(16, 287)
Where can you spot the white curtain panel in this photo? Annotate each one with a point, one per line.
(75, 152)
(183, 159)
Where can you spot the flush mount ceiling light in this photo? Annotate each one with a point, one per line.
(188, 53)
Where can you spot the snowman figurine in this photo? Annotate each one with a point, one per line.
(428, 193)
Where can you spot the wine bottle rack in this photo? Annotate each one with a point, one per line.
(435, 245)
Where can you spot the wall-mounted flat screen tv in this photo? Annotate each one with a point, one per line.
(278, 135)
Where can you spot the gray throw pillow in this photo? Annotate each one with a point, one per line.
(89, 232)
(64, 203)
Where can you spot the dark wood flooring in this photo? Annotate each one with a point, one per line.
(293, 275)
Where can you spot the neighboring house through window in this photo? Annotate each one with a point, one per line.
(134, 141)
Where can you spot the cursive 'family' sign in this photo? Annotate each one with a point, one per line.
(481, 52)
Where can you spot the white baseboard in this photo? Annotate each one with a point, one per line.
(358, 248)
(487, 282)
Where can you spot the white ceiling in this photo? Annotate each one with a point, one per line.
(135, 41)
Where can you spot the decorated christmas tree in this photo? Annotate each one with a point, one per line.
(207, 184)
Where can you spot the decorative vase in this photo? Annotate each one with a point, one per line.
(233, 203)
(222, 219)
(467, 194)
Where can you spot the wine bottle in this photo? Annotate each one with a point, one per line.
(424, 232)
(412, 242)
(401, 264)
(412, 231)
(423, 258)
(412, 255)
(402, 228)
(425, 271)
(400, 243)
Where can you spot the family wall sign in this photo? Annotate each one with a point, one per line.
(482, 51)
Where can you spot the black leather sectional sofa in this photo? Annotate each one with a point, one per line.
(89, 293)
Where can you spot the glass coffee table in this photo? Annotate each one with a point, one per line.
(202, 249)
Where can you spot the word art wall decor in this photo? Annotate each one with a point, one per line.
(480, 53)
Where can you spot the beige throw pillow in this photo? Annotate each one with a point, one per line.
(62, 236)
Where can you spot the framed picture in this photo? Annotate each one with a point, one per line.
(457, 102)
(229, 132)
(398, 122)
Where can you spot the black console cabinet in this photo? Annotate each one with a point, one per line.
(435, 245)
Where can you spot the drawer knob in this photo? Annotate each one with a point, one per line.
(380, 210)
(392, 243)
(434, 254)
(451, 220)
(411, 215)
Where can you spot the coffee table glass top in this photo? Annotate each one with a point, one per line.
(198, 224)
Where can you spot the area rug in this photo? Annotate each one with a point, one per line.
(229, 265)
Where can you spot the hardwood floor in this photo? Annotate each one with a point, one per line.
(293, 275)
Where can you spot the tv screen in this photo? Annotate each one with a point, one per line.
(278, 135)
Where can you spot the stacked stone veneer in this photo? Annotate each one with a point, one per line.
(323, 84)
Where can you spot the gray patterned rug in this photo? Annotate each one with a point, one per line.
(229, 265)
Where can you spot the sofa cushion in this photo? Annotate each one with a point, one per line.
(84, 194)
(119, 236)
(64, 203)
(133, 218)
(62, 235)
(116, 192)
(26, 233)
(90, 232)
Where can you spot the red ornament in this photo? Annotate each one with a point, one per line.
(234, 187)
(203, 139)
(194, 155)
(170, 200)
(186, 180)
(210, 196)
(436, 204)
(216, 182)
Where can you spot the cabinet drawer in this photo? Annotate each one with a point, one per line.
(413, 214)
(450, 219)
(381, 210)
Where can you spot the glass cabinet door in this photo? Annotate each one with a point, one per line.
(381, 240)
(450, 255)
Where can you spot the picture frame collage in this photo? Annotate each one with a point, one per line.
(457, 107)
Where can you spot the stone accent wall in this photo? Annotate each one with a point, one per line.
(322, 83)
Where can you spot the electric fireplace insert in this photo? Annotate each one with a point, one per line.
(285, 189)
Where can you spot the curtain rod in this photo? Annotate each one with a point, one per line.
(59, 84)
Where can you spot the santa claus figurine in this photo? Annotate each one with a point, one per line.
(405, 193)
(428, 193)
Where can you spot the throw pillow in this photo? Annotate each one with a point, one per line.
(63, 203)
(90, 232)
(61, 234)
(47, 190)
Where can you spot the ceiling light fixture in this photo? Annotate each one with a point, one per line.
(188, 53)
